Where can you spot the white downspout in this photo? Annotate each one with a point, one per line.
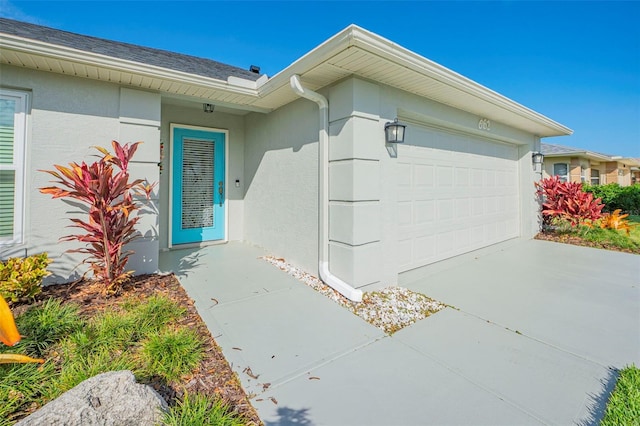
(323, 194)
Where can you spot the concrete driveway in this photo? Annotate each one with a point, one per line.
(535, 335)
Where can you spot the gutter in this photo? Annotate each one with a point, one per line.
(323, 193)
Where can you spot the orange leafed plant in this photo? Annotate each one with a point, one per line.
(105, 188)
(616, 220)
(9, 336)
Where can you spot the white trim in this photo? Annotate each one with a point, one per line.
(140, 121)
(226, 182)
(19, 164)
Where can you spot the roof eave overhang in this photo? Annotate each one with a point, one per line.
(584, 154)
(474, 94)
(265, 95)
(38, 49)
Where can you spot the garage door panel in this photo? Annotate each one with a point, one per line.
(424, 175)
(457, 193)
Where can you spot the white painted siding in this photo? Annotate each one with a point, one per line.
(281, 178)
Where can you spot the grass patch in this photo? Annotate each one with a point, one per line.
(22, 385)
(45, 325)
(635, 230)
(614, 237)
(171, 354)
(623, 407)
(141, 336)
(611, 239)
(199, 410)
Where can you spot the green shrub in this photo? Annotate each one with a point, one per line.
(21, 386)
(45, 325)
(21, 277)
(614, 196)
(77, 368)
(200, 410)
(172, 353)
(154, 314)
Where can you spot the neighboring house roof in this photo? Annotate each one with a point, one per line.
(352, 52)
(552, 150)
(146, 55)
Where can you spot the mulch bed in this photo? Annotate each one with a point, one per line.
(577, 241)
(213, 376)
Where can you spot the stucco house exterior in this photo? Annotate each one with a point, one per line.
(580, 165)
(296, 163)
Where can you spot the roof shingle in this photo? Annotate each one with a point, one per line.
(146, 55)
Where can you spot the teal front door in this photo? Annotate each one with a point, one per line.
(198, 185)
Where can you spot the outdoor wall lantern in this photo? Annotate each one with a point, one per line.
(537, 157)
(208, 107)
(394, 132)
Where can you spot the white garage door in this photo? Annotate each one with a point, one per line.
(456, 193)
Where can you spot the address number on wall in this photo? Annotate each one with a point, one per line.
(484, 124)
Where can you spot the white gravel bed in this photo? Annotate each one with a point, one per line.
(389, 309)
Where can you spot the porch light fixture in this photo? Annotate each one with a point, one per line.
(394, 132)
(208, 108)
(537, 157)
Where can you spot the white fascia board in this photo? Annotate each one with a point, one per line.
(398, 54)
(243, 82)
(64, 53)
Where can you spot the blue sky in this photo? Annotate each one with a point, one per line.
(575, 62)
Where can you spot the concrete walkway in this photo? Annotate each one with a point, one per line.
(536, 336)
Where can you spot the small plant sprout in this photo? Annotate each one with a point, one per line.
(105, 188)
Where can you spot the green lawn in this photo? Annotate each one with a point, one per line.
(635, 231)
(623, 407)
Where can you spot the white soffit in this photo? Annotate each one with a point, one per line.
(355, 51)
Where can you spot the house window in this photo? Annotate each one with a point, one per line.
(13, 108)
(562, 171)
(583, 174)
(595, 177)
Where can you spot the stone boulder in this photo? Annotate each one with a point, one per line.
(108, 399)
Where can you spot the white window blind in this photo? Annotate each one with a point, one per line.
(197, 183)
(12, 140)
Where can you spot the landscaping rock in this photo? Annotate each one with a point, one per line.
(108, 399)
